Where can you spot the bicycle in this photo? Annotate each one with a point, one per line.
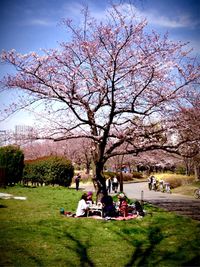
(197, 193)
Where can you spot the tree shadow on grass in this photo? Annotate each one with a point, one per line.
(141, 256)
(81, 249)
(148, 252)
(3, 206)
(20, 252)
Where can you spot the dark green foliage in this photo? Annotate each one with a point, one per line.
(50, 170)
(12, 161)
(181, 170)
(34, 172)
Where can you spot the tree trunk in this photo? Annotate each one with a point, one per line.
(88, 168)
(197, 171)
(100, 181)
(121, 182)
(188, 166)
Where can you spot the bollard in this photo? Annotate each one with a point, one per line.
(142, 198)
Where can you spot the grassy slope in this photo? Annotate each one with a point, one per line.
(33, 233)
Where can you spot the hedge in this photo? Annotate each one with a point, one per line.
(49, 170)
(12, 161)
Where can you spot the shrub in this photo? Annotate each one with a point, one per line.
(181, 170)
(137, 175)
(126, 176)
(35, 173)
(12, 160)
(175, 180)
(49, 170)
(178, 180)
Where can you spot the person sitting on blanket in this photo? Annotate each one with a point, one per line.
(123, 205)
(82, 206)
(139, 208)
(108, 206)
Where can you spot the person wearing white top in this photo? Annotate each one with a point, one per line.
(82, 207)
(115, 184)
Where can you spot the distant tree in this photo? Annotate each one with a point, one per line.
(12, 160)
(112, 83)
(188, 125)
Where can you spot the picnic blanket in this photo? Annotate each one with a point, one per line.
(97, 217)
(118, 218)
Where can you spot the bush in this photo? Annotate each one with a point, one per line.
(126, 176)
(180, 170)
(35, 173)
(137, 175)
(175, 180)
(49, 170)
(12, 160)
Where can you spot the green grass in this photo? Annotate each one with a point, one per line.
(187, 189)
(33, 233)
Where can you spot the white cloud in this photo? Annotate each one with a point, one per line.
(153, 17)
(40, 22)
(181, 21)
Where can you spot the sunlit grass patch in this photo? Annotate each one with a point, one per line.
(34, 233)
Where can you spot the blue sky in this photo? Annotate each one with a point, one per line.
(30, 25)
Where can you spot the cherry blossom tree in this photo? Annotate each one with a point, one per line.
(79, 153)
(188, 125)
(113, 83)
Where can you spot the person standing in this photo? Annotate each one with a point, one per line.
(150, 182)
(115, 184)
(108, 185)
(77, 181)
(161, 185)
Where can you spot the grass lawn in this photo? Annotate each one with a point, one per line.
(187, 189)
(33, 233)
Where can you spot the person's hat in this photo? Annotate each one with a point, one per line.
(121, 195)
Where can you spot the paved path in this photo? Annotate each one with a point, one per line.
(134, 191)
